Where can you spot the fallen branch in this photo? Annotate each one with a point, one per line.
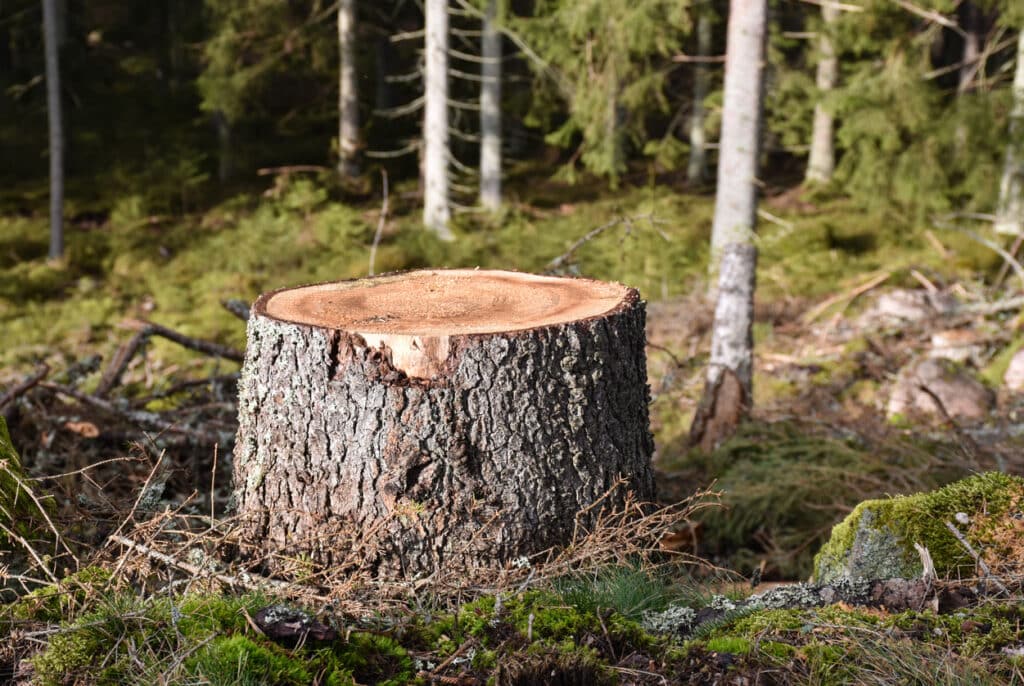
(986, 572)
(244, 580)
(123, 357)
(25, 386)
(818, 309)
(199, 345)
(237, 307)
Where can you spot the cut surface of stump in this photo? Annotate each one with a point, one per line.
(439, 417)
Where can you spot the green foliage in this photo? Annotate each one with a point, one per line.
(61, 601)
(629, 591)
(240, 661)
(609, 62)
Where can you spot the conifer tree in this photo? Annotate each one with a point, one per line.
(697, 165)
(609, 60)
(436, 203)
(51, 31)
(740, 143)
(728, 389)
(348, 101)
(1010, 212)
(490, 110)
(822, 160)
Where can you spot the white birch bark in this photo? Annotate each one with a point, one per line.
(348, 101)
(697, 166)
(436, 209)
(822, 160)
(732, 337)
(490, 112)
(739, 147)
(51, 30)
(1010, 212)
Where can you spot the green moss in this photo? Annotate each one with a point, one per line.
(240, 661)
(376, 659)
(884, 528)
(729, 644)
(60, 601)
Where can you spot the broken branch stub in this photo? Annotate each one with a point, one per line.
(441, 418)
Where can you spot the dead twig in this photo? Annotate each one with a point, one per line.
(42, 371)
(123, 357)
(818, 309)
(245, 581)
(237, 307)
(986, 572)
(197, 344)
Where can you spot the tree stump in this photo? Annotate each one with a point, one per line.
(439, 418)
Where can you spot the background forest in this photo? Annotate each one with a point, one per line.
(165, 162)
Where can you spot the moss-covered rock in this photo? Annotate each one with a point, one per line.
(876, 541)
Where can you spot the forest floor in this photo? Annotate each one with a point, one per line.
(127, 441)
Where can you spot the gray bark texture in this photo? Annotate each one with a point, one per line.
(436, 207)
(490, 112)
(729, 388)
(54, 110)
(739, 147)
(348, 100)
(1010, 212)
(697, 165)
(493, 459)
(822, 160)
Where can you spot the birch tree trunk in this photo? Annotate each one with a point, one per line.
(697, 166)
(739, 147)
(490, 112)
(438, 420)
(1010, 212)
(822, 160)
(348, 100)
(436, 208)
(54, 111)
(728, 390)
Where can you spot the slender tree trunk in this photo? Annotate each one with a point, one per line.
(55, 116)
(436, 209)
(739, 147)
(225, 166)
(697, 167)
(348, 100)
(728, 391)
(822, 160)
(1010, 213)
(613, 126)
(971, 22)
(490, 112)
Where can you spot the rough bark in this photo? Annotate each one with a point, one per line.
(1010, 212)
(736, 194)
(490, 112)
(822, 160)
(487, 454)
(54, 110)
(436, 207)
(348, 100)
(729, 387)
(697, 166)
